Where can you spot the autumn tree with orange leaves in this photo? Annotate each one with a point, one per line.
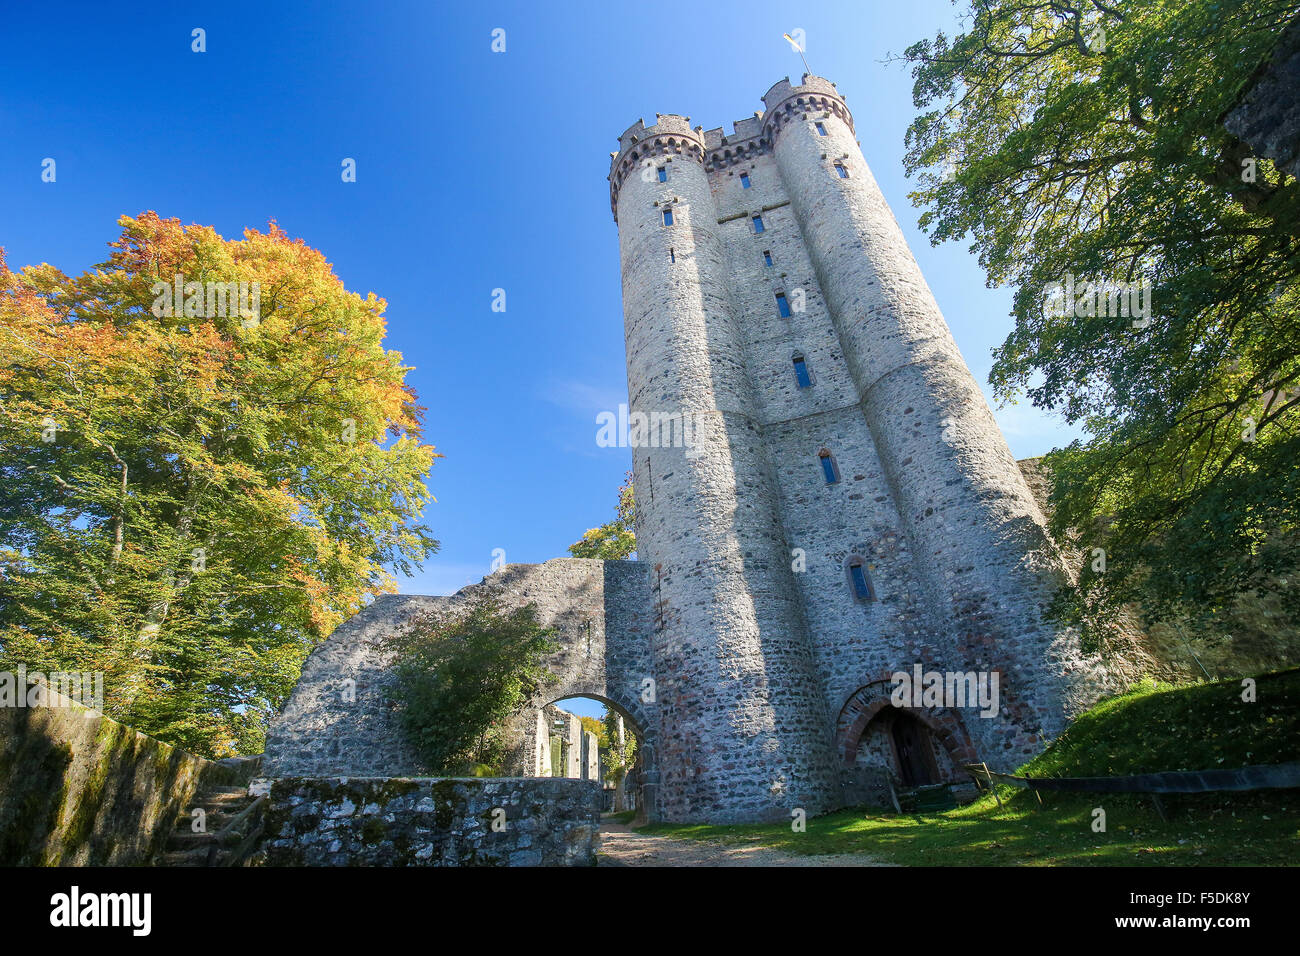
(192, 497)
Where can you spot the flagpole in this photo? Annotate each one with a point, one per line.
(798, 49)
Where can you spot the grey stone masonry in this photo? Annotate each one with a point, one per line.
(842, 507)
(1267, 116)
(340, 718)
(843, 442)
(532, 821)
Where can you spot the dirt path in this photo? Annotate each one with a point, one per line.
(622, 846)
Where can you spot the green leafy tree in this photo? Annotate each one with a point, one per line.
(192, 497)
(617, 761)
(615, 541)
(459, 680)
(1086, 141)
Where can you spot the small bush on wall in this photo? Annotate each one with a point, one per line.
(460, 678)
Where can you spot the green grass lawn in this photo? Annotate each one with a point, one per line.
(1150, 728)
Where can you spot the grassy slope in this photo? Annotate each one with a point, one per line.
(1150, 728)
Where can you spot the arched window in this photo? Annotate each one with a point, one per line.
(860, 581)
(829, 469)
(801, 371)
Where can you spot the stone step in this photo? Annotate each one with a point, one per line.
(222, 801)
(213, 822)
(220, 805)
(195, 857)
(184, 839)
(224, 793)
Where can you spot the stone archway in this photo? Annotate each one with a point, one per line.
(869, 720)
(339, 720)
(569, 756)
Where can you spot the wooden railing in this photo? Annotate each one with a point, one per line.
(1257, 777)
(240, 835)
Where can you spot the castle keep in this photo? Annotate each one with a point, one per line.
(847, 507)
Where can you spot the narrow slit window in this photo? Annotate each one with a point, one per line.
(767, 258)
(821, 130)
(672, 255)
(663, 174)
(782, 306)
(758, 223)
(744, 180)
(862, 590)
(801, 372)
(668, 217)
(830, 470)
(841, 171)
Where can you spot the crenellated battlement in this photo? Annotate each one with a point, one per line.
(816, 94)
(671, 136)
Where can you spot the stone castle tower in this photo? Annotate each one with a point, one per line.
(845, 509)
(849, 507)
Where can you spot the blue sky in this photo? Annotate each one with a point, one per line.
(475, 171)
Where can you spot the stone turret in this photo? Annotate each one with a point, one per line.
(744, 729)
(989, 567)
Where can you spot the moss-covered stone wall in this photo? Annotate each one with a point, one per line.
(79, 789)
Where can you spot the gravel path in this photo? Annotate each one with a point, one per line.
(622, 846)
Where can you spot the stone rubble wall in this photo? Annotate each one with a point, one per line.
(502, 821)
(341, 718)
(1268, 115)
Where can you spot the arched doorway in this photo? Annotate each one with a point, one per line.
(589, 737)
(914, 758)
(915, 747)
(900, 742)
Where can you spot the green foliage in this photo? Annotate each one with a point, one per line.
(615, 541)
(1156, 727)
(459, 679)
(1087, 140)
(189, 502)
(615, 762)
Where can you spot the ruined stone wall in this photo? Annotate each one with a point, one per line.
(531, 821)
(80, 789)
(340, 719)
(1267, 117)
